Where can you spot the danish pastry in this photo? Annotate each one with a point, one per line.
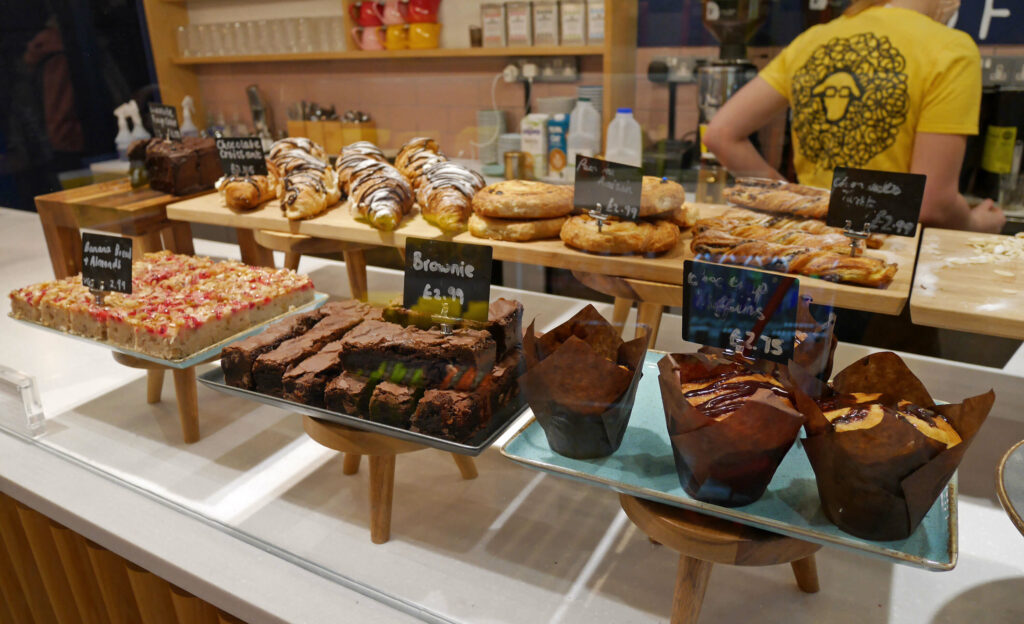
(516, 230)
(660, 195)
(523, 199)
(619, 237)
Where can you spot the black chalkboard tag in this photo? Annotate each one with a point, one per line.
(165, 121)
(878, 202)
(750, 312)
(242, 156)
(442, 275)
(107, 263)
(608, 188)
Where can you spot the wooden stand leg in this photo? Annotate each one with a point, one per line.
(621, 312)
(355, 264)
(806, 572)
(466, 466)
(252, 252)
(188, 404)
(154, 384)
(691, 582)
(178, 238)
(382, 489)
(648, 320)
(291, 260)
(351, 465)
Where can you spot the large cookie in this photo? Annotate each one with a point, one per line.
(523, 199)
(660, 196)
(515, 229)
(620, 237)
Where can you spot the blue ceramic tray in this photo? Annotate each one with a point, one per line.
(209, 353)
(643, 467)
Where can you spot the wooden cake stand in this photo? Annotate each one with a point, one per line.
(703, 541)
(184, 389)
(381, 450)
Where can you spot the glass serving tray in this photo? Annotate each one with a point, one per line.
(198, 357)
(643, 467)
(499, 423)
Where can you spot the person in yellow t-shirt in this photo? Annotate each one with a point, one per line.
(885, 86)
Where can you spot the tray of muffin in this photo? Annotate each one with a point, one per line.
(867, 465)
(387, 370)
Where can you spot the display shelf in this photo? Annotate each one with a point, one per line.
(984, 298)
(584, 50)
(665, 269)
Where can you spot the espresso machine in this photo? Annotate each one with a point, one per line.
(733, 23)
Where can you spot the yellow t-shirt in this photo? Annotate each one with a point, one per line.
(860, 88)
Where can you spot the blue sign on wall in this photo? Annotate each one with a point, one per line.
(674, 23)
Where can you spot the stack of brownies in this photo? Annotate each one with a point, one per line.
(346, 357)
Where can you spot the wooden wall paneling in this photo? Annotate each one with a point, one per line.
(152, 595)
(51, 570)
(13, 535)
(620, 24)
(176, 81)
(10, 588)
(191, 610)
(112, 578)
(75, 559)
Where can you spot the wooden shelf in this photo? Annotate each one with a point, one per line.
(585, 50)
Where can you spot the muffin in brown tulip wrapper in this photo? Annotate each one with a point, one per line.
(881, 449)
(730, 424)
(580, 382)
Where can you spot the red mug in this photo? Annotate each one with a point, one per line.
(365, 13)
(423, 11)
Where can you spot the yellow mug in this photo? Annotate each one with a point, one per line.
(423, 36)
(396, 37)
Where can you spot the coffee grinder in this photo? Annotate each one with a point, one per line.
(733, 23)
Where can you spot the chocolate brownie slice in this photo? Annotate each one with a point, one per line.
(392, 404)
(305, 382)
(269, 368)
(416, 356)
(367, 311)
(348, 394)
(505, 323)
(236, 360)
(459, 415)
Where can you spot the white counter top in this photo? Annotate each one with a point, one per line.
(511, 546)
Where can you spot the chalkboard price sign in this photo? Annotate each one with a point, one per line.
(165, 121)
(443, 273)
(242, 156)
(609, 188)
(107, 263)
(880, 202)
(751, 312)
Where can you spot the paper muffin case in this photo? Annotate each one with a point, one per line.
(581, 398)
(879, 483)
(727, 462)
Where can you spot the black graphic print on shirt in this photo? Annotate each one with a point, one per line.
(849, 100)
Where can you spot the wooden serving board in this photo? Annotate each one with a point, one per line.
(967, 297)
(337, 223)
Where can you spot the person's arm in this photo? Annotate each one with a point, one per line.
(727, 136)
(939, 156)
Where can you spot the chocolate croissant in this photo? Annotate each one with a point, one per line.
(308, 186)
(379, 194)
(446, 194)
(297, 143)
(415, 156)
(725, 248)
(354, 155)
(247, 192)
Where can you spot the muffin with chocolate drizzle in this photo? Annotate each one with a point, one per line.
(730, 422)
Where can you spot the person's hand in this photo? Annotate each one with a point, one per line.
(987, 217)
